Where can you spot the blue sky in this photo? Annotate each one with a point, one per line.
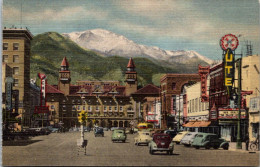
(169, 24)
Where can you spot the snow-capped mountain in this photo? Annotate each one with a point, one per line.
(109, 44)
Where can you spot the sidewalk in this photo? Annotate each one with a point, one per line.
(232, 147)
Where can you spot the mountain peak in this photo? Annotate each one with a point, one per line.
(109, 43)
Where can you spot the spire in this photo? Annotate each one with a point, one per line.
(64, 62)
(64, 65)
(131, 63)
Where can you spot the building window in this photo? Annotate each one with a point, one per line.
(84, 108)
(78, 107)
(173, 85)
(110, 108)
(121, 108)
(115, 107)
(97, 108)
(89, 108)
(15, 58)
(105, 108)
(15, 82)
(5, 46)
(52, 107)
(16, 70)
(5, 58)
(15, 46)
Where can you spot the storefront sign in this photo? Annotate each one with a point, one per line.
(203, 72)
(231, 113)
(229, 70)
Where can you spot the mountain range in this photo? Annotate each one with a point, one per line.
(48, 50)
(109, 44)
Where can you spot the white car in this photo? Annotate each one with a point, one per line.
(143, 138)
(188, 138)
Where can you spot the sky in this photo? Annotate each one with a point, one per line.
(168, 24)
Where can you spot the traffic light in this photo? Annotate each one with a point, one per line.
(82, 117)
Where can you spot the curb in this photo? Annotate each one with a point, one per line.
(244, 151)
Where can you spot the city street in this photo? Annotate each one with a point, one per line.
(60, 149)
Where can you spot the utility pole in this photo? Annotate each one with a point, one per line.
(239, 144)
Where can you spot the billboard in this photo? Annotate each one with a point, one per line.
(231, 113)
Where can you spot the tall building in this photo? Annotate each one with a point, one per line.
(107, 103)
(16, 56)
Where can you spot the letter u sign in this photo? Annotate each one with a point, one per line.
(229, 57)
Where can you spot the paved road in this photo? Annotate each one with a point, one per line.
(60, 149)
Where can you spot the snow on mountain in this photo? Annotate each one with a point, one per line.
(109, 44)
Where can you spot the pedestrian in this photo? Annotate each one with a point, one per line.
(247, 141)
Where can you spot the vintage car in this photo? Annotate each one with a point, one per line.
(143, 137)
(118, 135)
(172, 133)
(188, 138)
(179, 136)
(208, 140)
(99, 131)
(161, 142)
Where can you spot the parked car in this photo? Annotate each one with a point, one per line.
(208, 140)
(143, 137)
(99, 132)
(161, 142)
(118, 135)
(188, 138)
(127, 130)
(172, 133)
(155, 131)
(179, 136)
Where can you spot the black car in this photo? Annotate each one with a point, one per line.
(172, 133)
(99, 132)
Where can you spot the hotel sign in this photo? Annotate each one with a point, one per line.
(231, 113)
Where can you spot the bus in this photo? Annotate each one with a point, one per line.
(145, 125)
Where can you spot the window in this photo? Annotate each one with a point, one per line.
(89, 108)
(52, 107)
(97, 108)
(15, 82)
(16, 70)
(173, 85)
(105, 108)
(5, 46)
(78, 107)
(5, 58)
(115, 107)
(15, 58)
(84, 108)
(121, 108)
(110, 108)
(15, 46)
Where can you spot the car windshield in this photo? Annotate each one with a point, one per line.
(189, 134)
(161, 137)
(199, 136)
(119, 132)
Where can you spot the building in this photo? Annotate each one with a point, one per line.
(251, 92)
(172, 85)
(147, 104)
(16, 56)
(107, 103)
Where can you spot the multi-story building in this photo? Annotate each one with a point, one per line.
(16, 56)
(107, 102)
(250, 78)
(172, 85)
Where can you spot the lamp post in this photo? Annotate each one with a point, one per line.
(239, 144)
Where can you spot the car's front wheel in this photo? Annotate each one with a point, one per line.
(170, 152)
(151, 151)
(225, 147)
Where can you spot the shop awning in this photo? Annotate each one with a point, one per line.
(197, 124)
(205, 123)
(189, 124)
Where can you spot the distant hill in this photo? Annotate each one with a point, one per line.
(48, 50)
